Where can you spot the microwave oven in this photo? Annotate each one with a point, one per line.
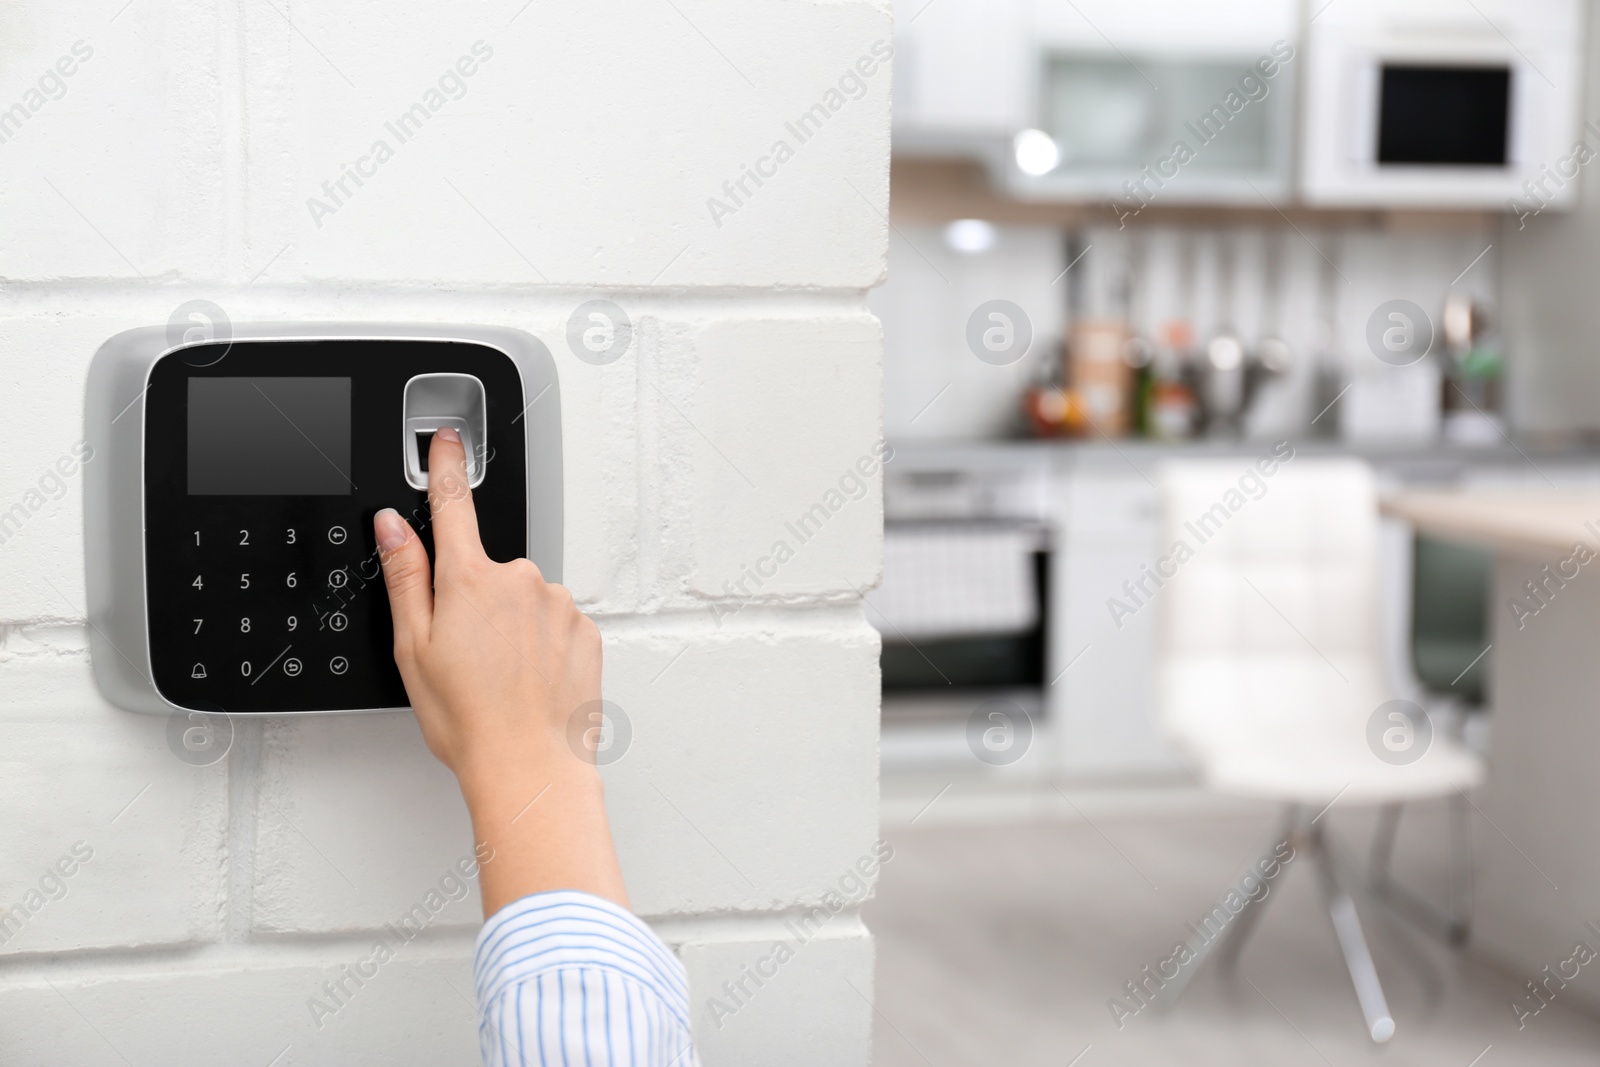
(1433, 108)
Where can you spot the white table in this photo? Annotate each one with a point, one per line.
(1537, 840)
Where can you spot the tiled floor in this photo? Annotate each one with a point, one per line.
(1001, 945)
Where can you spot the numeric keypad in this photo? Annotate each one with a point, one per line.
(251, 614)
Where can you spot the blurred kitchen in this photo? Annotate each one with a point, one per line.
(1324, 277)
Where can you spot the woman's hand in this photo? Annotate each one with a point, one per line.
(502, 671)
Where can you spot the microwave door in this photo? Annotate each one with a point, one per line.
(1455, 116)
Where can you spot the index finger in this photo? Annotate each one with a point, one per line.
(455, 519)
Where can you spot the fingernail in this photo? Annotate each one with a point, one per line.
(448, 433)
(392, 530)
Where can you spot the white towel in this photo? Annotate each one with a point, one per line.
(955, 581)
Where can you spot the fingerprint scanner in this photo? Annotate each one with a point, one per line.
(433, 402)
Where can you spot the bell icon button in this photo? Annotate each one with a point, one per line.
(199, 671)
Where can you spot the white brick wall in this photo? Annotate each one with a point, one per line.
(575, 161)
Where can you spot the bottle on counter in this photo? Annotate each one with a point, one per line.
(1138, 353)
(1173, 411)
(1100, 374)
(1473, 370)
(1049, 407)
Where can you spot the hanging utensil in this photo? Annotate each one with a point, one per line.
(1225, 371)
(1273, 353)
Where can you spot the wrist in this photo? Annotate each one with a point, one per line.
(544, 827)
(499, 788)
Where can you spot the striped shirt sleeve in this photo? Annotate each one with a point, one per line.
(569, 978)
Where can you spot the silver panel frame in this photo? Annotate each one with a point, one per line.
(113, 484)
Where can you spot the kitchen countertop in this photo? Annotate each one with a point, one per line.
(927, 480)
(1536, 524)
(1140, 453)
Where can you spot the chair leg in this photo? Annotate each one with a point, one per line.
(1353, 943)
(1451, 924)
(1460, 923)
(1244, 925)
(1383, 843)
(1346, 927)
(1397, 929)
(1229, 942)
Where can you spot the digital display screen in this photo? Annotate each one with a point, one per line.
(269, 437)
(1444, 116)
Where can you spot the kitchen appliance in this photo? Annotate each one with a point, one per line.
(228, 510)
(1442, 105)
(963, 606)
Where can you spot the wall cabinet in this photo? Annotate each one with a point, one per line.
(1115, 86)
(1431, 103)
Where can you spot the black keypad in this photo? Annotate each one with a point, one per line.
(276, 609)
(266, 603)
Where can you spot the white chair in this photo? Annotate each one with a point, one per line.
(1271, 665)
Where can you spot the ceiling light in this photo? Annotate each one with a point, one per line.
(1037, 152)
(969, 235)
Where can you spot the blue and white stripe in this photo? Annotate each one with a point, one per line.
(572, 979)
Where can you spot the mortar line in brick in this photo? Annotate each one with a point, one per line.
(112, 295)
(310, 950)
(232, 79)
(239, 858)
(28, 629)
(646, 444)
(831, 615)
(57, 641)
(328, 949)
(754, 926)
